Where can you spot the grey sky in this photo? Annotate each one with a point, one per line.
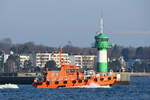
(54, 22)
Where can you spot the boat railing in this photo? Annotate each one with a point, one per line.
(66, 78)
(71, 77)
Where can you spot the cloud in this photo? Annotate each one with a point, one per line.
(131, 32)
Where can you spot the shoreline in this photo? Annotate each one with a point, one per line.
(140, 74)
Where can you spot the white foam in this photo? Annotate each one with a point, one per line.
(92, 85)
(8, 86)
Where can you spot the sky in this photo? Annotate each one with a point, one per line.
(55, 22)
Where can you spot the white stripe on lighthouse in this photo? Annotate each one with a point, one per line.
(102, 56)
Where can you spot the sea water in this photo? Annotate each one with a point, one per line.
(138, 89)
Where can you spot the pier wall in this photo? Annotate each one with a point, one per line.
(18, 78)
(123, 78)
(28, 78)
(140, 74)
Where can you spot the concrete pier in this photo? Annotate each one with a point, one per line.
(123, 78)
(140, 74)
(18, 78)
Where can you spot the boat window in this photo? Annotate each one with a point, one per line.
(57, 73)
(72, 70)
(67, 70)
(53, 73)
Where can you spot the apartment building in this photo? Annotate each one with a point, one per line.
(23, 58)
(42, 58)
(83, 61)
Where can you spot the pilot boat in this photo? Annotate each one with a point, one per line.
(68, 76)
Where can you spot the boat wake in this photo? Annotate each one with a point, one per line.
(8, 86)
(93, 85)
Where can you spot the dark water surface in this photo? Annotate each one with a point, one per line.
(139, 89)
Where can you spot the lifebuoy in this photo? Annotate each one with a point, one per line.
(65, 82)
(95, 79)
(109, 78)
(74, 81)
(86, 81)
(56, 82)
(80, 81)
(101, 79)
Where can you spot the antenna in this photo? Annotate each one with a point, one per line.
(102, 26)
(101, 23)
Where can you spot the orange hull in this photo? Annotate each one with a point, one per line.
(68, 76)
(101, 81)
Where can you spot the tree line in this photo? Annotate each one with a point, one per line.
(116, 51)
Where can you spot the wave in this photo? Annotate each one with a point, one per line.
(8, 86)
(92, 85)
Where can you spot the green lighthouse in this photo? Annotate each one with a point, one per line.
(102, 45)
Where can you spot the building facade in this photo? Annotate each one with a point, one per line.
(23, 58)
(83, 61)
(42, 58)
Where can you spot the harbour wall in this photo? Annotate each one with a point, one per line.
(140, 74)
(28, 78)
(122, 78)
(18, 78)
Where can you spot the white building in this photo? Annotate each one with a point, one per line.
(23, 58)
(42, 58)
(83, 61)
(77, 60)
(4, 57)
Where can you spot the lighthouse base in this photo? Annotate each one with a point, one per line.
(102, 67)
